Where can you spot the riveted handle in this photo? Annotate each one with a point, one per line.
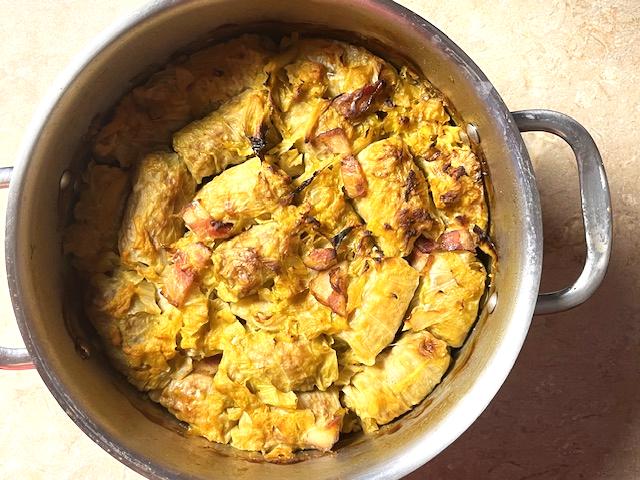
(12, 358)
(596, 206)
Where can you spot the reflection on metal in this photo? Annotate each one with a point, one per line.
(65, 179)
(472, 132)
(492, 302)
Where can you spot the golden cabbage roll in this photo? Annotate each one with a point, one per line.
(246, 262)
(396, 206)
(93, 237)
(235, 198)
(309, 75)
(379, 300)
(326, 203)
(328, 413)
(448, 296)
(162, 187)
(139, 337)
(196, 400)
(228, 136)
(401, 378)
(278, 432)
(193, 315)
(288, 363)
(145, 119)
(416, 112)
(456, 181)
(299, 315)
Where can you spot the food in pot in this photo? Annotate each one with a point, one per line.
(280, 239)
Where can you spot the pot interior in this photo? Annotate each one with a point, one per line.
(142, 434)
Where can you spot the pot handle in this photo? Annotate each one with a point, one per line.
(596, 206)
(12, 358)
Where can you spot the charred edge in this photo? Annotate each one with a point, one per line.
(337, 239)
(258, 144)
(484, 238)
(306, 183)
(449, 198)
(458, 172)
(411, 186)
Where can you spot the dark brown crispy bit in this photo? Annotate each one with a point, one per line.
(449, 198)
(408, 219)
(432, 155)
(358, 102)
(463, 220)
(458, 172)
(339, 237)
(258, 144)
(424, 244)
(307, 182)
(411, 185)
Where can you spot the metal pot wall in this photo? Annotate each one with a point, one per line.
(109, 413)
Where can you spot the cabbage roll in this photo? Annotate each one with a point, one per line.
(401, 378)
(380, 298)
(162, 187)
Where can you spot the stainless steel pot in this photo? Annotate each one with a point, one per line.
(85, 387)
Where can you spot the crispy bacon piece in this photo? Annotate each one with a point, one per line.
(329, 288)
(456, 240)
(420, 255)
(353, 177)
(177, 284)
(333, 141)
(320, 258)
(358, 102)
(188, 262)
(198, 220)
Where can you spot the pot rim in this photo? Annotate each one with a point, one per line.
(486, 385)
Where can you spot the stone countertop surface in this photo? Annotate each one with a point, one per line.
(570, 409)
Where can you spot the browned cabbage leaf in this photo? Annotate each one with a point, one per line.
(145, 119)
(396, 207)
(400, 379)
(236, 198)
(227, 136)
(447, 299)
(162, 187)
(379, 300)
(93, 238)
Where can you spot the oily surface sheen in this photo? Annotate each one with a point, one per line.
(279, 241)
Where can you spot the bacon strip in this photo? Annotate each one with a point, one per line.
(456, 240)
(333, 141)
(320, 259)
(198, 220)
(355, 183)
(358, 102)
(182, 273)
(329, 288)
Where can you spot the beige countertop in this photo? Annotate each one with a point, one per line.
(571, 407)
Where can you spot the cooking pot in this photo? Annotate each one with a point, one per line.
(85, 385)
